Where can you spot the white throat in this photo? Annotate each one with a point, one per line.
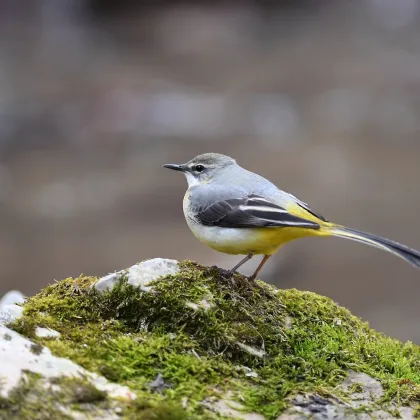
(191, 179)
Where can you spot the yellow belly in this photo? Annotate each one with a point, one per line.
(264, 240)
(256, 241)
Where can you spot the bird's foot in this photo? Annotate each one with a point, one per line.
(250, 281)
(253, 283)
(228, 275)
(223, 272)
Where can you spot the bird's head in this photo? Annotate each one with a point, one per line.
(203, 168)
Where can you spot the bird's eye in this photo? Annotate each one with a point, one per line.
(198, 168)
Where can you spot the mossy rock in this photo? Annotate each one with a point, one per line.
(201, 338)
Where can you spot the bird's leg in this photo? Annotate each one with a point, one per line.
(240, 263)
(264, 260)
(252, 278)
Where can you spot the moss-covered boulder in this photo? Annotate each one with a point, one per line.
(203, 344)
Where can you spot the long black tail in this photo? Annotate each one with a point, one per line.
(410, 255)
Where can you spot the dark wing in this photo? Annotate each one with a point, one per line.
(249, 212)
(306, 207)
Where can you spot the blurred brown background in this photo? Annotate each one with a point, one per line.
(321, 97)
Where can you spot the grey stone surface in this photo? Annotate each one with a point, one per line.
(14, 296)
(230, 408)
(18, 354)
(315, 407)
(371, 388)
(9, 310)
(10, 313)
(312, 406)
(46, 332)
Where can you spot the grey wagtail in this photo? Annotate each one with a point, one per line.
(237, 212)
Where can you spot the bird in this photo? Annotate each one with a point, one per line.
(238, 212)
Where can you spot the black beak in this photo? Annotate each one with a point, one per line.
(175, 167)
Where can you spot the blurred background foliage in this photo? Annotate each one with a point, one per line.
(322, 97)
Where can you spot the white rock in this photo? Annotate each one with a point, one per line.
(10, 313)
(46, 332)
(108, 282)
(141, 275)
(18, 354)
(14, 296)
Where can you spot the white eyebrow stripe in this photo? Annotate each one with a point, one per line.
(262, 208)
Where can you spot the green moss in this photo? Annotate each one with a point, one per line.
(36, 399)
(146, 410)
(196, 329)
(356, 388)
(29, 401)
(81, 390)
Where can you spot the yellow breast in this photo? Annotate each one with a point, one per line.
(256, 241)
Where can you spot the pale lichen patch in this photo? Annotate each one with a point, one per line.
(252, 350)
